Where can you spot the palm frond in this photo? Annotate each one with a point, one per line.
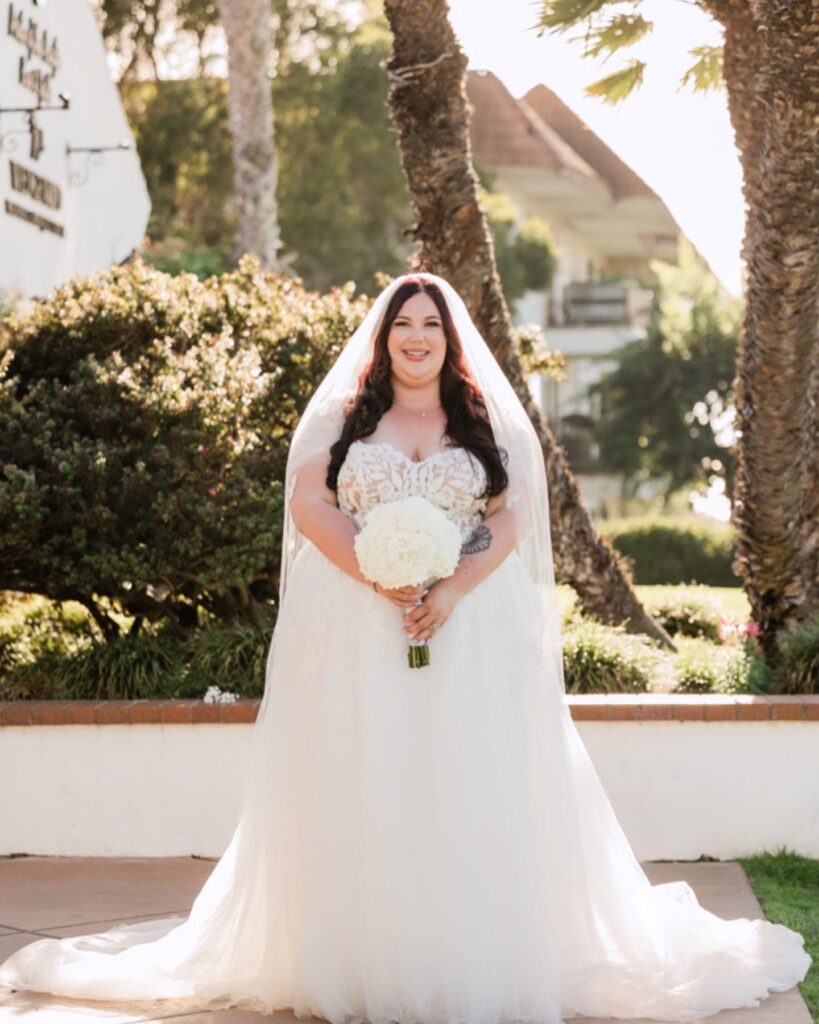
(616, 87)
(560, 15)
(706, 72)
(619, 31)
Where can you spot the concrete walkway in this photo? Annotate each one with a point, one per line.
(59, 896)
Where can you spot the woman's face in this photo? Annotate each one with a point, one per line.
(416, 342)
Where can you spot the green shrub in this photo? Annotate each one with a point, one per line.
(674, 552)
(695, 670)
(144, 426)
(747, 672)
(136, 666)
(703, 667)
(38, 630)
(606, 659)
(230, 657)
(687, 611)
(128, 667)
(131, 667)
(795, 665)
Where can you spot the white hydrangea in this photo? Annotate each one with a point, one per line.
(406, 542)
(215, 695)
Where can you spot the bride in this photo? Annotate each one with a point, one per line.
(423, 845)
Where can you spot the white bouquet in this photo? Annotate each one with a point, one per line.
(404, 543)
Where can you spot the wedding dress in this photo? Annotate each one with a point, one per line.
(429, 845)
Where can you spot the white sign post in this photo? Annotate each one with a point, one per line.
(72, 194)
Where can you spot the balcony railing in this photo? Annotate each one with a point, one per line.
(596, 302)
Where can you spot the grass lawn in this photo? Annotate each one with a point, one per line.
(787, 887)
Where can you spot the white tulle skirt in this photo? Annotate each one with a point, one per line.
(426, 846)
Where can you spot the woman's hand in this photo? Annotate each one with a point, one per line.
(404, 597)
(436, 607)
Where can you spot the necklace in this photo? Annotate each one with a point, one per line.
(417, 411)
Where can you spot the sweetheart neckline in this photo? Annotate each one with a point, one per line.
(414, 462)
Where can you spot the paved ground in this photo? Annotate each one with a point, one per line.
(58, 896)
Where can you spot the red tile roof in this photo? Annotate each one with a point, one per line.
(507, 133)
(540, 131)
(553, 111)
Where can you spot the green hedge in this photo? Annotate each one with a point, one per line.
(674, 550)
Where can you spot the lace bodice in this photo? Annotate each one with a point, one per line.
(376, 471)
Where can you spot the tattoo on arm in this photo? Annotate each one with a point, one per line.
(479, 541)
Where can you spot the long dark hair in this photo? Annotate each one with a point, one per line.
(467, 421)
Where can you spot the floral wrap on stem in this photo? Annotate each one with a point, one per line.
(418, 653)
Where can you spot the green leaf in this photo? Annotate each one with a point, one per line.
(616, 87)
(621, 30)
(560, 15)
(706, 72)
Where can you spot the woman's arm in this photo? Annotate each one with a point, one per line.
(488, 546)
(316, 514)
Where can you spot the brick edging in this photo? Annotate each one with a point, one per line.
(584, 708)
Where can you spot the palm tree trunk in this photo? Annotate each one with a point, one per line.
(740, 69)
(427, 99)
(250, 106)
(771, 56)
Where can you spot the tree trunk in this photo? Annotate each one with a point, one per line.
(771, 56)
(250, 106)
(427, 99)
(740, 69)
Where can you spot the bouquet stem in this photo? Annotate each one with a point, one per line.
(418, 655)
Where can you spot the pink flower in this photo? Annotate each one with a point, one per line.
(729, 629)
(732, 629)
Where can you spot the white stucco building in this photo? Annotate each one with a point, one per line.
(607, 224)
(72, 194)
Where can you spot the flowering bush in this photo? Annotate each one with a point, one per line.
(144, 426)
(213, 695)
(733, 630)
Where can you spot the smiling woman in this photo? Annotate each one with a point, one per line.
(423, 403)
(416, 334)
(417, 393)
